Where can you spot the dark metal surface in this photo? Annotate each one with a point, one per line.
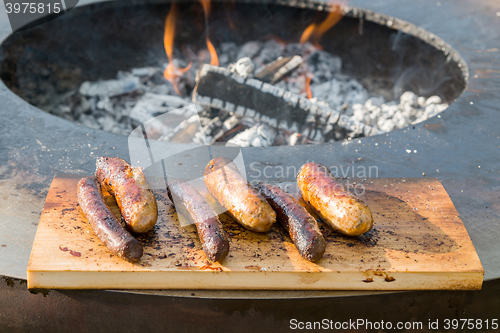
(460, 147)
(96, 311)
(389, 55)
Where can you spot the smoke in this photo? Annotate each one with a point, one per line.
(418, 67)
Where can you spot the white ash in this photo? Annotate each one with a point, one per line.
(110, 88)
(144, 72)
(188, 131)
(260, 135)
(293, 139)
(388, 116)
(228, 53)
(270, 51)
(243, 67)
(249, 50)
(230, 123)
(152, 105)
(140, 94)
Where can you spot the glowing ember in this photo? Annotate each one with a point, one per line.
(314, 31)
(214, 60)
(172, 72)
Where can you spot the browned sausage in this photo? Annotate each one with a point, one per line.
(191, 204)
(301, 226)
(104, 223)
(131, 190)
(233, 192)
(338, 207)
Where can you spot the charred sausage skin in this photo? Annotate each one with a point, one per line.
(191, 204)
(301, 226)
(336, 206)
(132, 192)
(104, 223)
(232, 191)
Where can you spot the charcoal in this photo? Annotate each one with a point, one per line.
(107, 122)
(408, 98)
(184, 132)
(145, 71)
(152, 105)
(110, 88)
(270, 51)
(433, 100)
(338, 91)
(166, 88)
(293, 139)
(218, 87)
(249, 49)
(217, 128)
(323, 65)
(278, 69)
(104, 103)
(243, 67)
(341, 107)
(89, 121)
(388, 116)
(260, 135)
(302, 49)
(80, 105)
(228, 53)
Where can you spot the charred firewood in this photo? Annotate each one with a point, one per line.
(219, 88)
(186, 132)
(278, 69)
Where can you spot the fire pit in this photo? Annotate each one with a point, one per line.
(459, 147)
(298, 74)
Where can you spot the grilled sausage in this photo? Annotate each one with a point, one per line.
(191, 204)
(338, 207)
(104, 223)
(301, 226)
(233, 192)
(131, 190)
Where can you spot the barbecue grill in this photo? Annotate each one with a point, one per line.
(459, 147)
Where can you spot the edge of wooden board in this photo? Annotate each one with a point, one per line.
(256, 280)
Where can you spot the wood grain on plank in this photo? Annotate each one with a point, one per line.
(418, 242)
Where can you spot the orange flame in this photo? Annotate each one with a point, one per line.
(308, 87)
(172, 72)
(314, 31)
(206, 7)
(214, 60)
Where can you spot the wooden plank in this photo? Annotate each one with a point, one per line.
(418, 242)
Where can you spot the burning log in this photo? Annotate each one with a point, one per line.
(220, 88)
(205, 127)
(278, 69)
